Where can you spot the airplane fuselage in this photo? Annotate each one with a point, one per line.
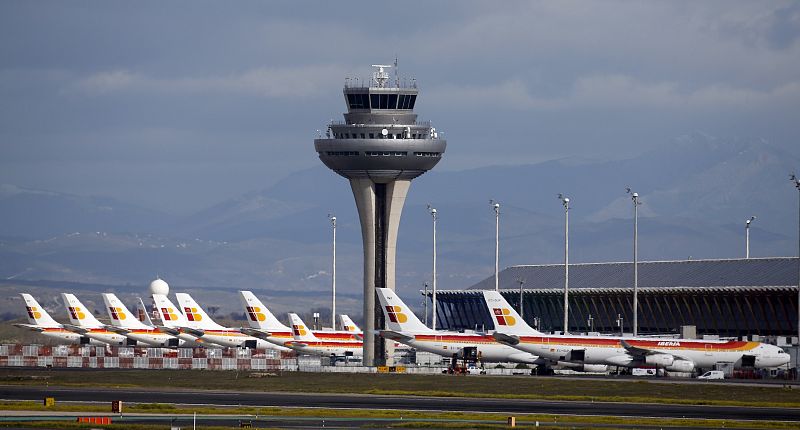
(677, 354)
(327, 348)
(489, 350)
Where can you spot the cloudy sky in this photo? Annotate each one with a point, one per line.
(178, 105)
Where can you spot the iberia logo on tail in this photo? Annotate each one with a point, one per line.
(299, 329)
(349, 328)
(117, 313)
(503, 317)
(169, 314)
(395, 314)
(76, 313)
(255, 313)
(192, 314)
(34, 313)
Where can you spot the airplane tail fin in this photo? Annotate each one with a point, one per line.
(258, 315)
(79, 314)
(170, 314)
(300, 329)
(146, 315)
(119, 314)
(36, 314)
(506, 319)
(399, 317)
(348, 324)
(196, 317)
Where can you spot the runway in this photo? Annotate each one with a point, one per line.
(381, 402)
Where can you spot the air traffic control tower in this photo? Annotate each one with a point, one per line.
(380, 147)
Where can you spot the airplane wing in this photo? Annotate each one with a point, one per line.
(255, 332)
(636, 351)
(30, 327)
(196, 332)
(506, 339)
(76, 329)
(117, 330)
(395, 335)
(168, 330)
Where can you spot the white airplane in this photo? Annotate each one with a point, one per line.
(124, 323)
(201, 325)
(84, 323)
(404, 327)
(307, 343)
(173, 320)
(40, 321)
(264, 325)
(677, 355)
(348, 325)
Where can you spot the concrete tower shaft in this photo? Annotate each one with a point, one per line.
(380, 147)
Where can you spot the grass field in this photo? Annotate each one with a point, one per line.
(399, 419)
(527, 387)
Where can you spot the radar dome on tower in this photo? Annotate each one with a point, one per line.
(158, 286)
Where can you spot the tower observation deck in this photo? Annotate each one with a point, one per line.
(380, 147)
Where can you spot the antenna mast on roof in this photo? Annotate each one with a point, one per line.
(396, 74)
(380, 76)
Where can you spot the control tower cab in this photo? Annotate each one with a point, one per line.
(380, 147)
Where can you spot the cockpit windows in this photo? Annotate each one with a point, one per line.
(381, 101)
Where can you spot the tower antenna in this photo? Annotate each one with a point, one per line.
(396, 74)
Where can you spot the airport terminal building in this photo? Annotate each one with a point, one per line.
(728, 298)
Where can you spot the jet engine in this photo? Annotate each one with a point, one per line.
(662, 360)
(681, 366)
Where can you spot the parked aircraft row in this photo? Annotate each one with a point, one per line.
(190, 326)
(514, 340)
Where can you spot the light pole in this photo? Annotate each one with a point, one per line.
(796, 182)
(636, 203)
(747, 236)
(565, 203)
(432, 210)
(521, 284)
(496, 207)
(333, 282)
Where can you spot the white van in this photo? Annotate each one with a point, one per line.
(712, 374)
(643, 371)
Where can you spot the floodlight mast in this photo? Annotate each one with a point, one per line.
(565, 202)
(434, 216)
(796, 182)
(333, 282)
(636, 203)
(747, 236)
(496, 207)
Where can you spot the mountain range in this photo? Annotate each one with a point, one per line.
(696, 191)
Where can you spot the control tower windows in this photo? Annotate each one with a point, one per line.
(406, 101)
(392, 101)
(358, 101)
(386, 153)
(362, 136)
(372, 135)
(428, 154)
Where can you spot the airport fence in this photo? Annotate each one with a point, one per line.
(124, 357)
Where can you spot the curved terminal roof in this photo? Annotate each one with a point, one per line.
(678, 276)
